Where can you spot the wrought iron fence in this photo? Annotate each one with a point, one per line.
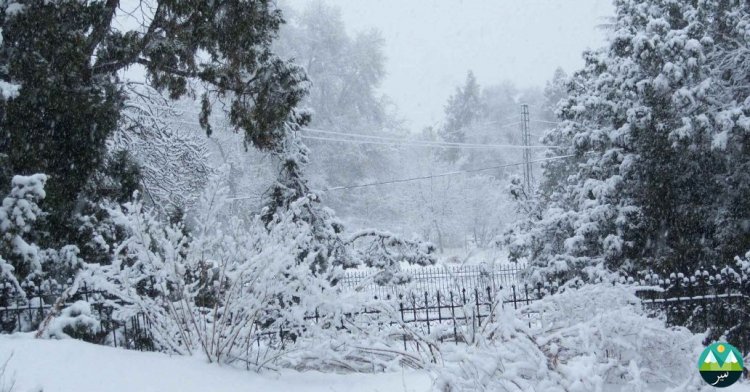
(436, 278)
(24, 313)
(451, 298)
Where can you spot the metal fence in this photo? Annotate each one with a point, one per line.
(450, 298)
(436, 278)
(25, 313)
(717, 301)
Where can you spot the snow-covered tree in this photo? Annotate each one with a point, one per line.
(19, 256)
(554, 92)
(345, 72)
(464, 108)
(67, 58)
(172, 160)
(26, 269)
(652, 181)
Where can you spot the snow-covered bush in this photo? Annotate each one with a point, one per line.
(368, 336)
(505, 357)
(74, 321)
(585, 339)
(19, 261)
(24, 267)
(605, 327)
(386, 251)
(216, 288)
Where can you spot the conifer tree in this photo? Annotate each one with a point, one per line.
(657, 122)
(464, 107)
(66, 57)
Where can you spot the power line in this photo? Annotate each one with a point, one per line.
(504, 125)
(360, 135)
(361, 139)
(545, 122)
(443, 174)
(387, 142)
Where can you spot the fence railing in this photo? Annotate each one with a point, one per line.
(25, 313)
(453, 297)
(436, 278)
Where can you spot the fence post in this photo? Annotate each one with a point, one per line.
(489, 302)
(463, 304)
(515, 304)
(414, 309)
(453, 315)
(526, 291)
(31, 314)
(41, 308)
(427, 311)
(479, 310)
(440, 314)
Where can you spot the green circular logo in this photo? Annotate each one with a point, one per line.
(721, 365)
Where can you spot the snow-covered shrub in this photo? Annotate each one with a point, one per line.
(505, 357)
(585, 339)
(386, 251)
(19, 261)
(24, 267)
(216, 288)
(603, 328)
(111, 185)
(74, 321)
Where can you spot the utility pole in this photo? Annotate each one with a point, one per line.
(528, 178)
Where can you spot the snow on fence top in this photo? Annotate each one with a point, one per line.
(436, 278)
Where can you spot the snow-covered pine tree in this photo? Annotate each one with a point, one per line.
(554, 92)
(291, 202)
(25, 268)
(647, 119)
(19, 257)
(579, 199)
(463, 108)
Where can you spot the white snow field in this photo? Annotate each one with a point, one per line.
(70, 365)
(73, 366)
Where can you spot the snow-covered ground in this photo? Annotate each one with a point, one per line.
(74, 366)
(70, 365)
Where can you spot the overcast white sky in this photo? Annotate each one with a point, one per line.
(430, 44)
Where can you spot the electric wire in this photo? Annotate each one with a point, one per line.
(443, 174)
(387, 142)
(363, 139)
